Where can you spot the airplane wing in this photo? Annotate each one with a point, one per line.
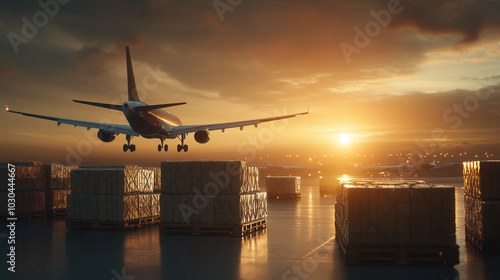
(120, 129)
(183, 129)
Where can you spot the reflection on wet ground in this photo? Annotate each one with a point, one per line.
(298, 244)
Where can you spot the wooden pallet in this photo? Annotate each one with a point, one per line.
(227, 230)
(398, 255)
(113, 226)
(283, 195)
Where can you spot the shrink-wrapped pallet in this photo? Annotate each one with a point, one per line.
(392, 213)
(283, 185)
(482, 179)
(214, 197)
(27, 203)
(29, 176)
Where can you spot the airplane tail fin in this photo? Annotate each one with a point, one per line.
(132, 89)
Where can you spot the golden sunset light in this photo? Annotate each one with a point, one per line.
(246, 139)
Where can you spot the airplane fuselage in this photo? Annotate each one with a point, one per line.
(155, 123)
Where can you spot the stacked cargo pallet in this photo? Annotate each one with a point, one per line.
(112, 197)
(58, 183)
(399, 222)
(211, 197)
(482, 204)
(283, 187)
(30, 186)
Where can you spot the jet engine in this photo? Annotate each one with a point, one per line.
(106, 136)
(202, 136)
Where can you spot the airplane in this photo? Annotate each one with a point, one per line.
(149, 121)
(385, 167)
(441, 166)
(270, 166)
(429, 165)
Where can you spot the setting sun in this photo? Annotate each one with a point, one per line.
(344, 139)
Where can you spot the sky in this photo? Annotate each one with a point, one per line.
(378, 77)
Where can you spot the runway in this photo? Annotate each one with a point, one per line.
(298, 244)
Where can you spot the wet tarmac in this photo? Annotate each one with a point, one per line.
(298, 244)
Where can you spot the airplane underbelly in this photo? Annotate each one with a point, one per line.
(144, 126)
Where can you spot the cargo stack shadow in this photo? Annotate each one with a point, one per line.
(97, 252)
(399, 272)
(200, 257)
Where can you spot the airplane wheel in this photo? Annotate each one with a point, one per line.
(166, 147)
(179, 148)
(159, 147)
(132, 148)
(125, 147)
(185, 148)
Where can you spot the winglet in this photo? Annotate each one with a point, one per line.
(6, 107)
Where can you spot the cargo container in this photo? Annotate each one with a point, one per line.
(283, 187)
(115, 198)
(396, 221)
(211, 197)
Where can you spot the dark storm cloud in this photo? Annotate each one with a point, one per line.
(464, 17)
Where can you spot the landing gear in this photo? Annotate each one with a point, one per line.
(127, 146)
(181, 147)
(160, 146)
